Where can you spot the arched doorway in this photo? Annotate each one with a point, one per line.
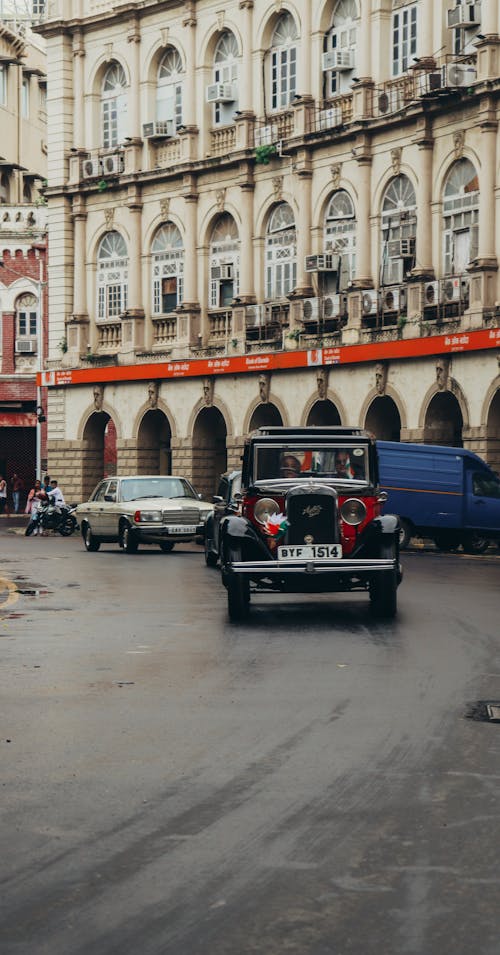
(153, 444)
(444, 421)
(493, 433)
(323, 413)
(383, 419)
(99, 450)
(209, 451)
(265, 415)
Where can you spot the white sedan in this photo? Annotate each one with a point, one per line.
(141, 509)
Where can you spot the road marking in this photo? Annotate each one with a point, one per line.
(12, 593)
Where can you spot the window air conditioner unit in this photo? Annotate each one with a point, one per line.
(221, 93)
(266, 135)
(457, 75)
(112, 165)
(310, 310)
(329, 118)
(327, 262)
(394, 299)
(334, 306)
(221, 273)
(338, 60)
(91, 168)
(161, 129)
(431, 294)
(369, 302)
(429, 83)
(26, 346)
(450, 290)
(465, 16)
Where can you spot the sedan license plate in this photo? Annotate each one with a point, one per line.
(311, 552)
(182, 529)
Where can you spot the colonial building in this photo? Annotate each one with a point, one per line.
(23, 235)
(269, 212)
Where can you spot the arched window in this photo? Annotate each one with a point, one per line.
(340, 41)
(399, 227)
(169, 89)
(167, 252)
(225, 77)
(114, 105)
(27, 323)
(460, 217)
(340, 235)
(112, 277)
(281, 253)
(224, 262)
(283, 59)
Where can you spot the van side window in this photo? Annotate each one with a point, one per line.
(484, 485)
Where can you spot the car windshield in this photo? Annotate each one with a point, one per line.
(134, 489)
(344, 463)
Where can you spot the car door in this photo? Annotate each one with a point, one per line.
(94, 509)
(110, 510)
(483, 504)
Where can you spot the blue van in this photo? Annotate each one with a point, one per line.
(447, 494)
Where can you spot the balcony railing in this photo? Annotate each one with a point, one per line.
(223, 140)
(109, 336)
(165, 331)
(23, 218)
(220, 324)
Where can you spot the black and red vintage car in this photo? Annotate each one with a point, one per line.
(310, 520)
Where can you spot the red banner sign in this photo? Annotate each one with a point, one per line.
(274, 361)
(17, 419)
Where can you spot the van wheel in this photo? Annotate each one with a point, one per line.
(446, 542)
(384, 588)
(475, 543)
(405, 533)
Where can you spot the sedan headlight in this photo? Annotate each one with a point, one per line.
(353, 511)
(148, 517)
(264, 509)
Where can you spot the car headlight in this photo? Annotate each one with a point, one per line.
(353, 511)
(148, 517)
(264, 509)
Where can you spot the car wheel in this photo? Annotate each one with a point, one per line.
(384, 587)
(405, 534)
(238, 597)
(166, 547)
(129, 542)
(92, 544)
(446, 542)
(475, 543)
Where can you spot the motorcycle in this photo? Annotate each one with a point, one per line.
(52, 517)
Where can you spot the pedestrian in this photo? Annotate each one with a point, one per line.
(4, 506)
(17, 489)
(36, 496)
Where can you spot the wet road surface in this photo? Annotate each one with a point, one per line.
(303, 784)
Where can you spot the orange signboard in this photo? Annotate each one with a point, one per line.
(275, 361)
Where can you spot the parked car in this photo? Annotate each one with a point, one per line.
(310, 520)
(447, 494)
(226, 501)
(135, 510)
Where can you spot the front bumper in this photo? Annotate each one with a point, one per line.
(268, 568)
(152, 533)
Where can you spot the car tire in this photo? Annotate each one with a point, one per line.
(128, 541)
(475, 543)
(384, 588)
(92, 544)
(238, 597)
(446, 541)
(405, 534)
(167, 547)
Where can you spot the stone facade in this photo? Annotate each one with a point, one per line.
(247, 179)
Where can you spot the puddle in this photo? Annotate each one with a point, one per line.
(483, 711)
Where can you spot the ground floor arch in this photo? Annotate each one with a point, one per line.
(323, 412)
(209, 450)
(493, 433)
(154, 443)
(99, 444)
(265, 415)
(444, 421)
(383, 419)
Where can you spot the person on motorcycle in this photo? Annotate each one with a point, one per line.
(57, 494)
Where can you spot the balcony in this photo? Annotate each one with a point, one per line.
(109, 337)
(164, 331)
(220, 325)
(223, 140)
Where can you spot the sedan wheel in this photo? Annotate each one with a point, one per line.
(166, 547)
(91, 543)
(129, 542)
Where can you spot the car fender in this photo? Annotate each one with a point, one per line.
(238, 532)
(370, 539)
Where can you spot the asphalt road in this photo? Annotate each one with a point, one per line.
(303, 784)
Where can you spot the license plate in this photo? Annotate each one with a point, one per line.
(181, 529)
(311, 552)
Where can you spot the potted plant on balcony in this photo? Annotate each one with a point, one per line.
(264, 154)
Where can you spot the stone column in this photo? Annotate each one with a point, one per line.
(134, 205)
(247, 286)
(80, 257)
(363, 252)
(425, 28)
(245, 86)
(189, 102)
(303, 171)
(489, 18)
(134, 39)
(79, 137)
(424, 261)
(486, 247)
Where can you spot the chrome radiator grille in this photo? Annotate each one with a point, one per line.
(186, 515)
(313, 517)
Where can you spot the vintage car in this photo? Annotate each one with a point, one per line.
(226, 501)
(310, 520)
(141, 509)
